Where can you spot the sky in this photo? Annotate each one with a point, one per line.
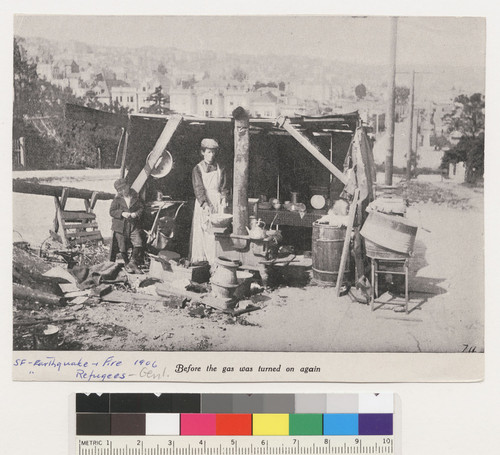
(421, 40)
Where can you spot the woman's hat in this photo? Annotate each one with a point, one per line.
(209, 144)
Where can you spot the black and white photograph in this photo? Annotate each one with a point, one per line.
(295, 184)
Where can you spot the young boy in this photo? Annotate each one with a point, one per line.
(126, 210)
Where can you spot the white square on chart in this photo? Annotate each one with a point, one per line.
(380, 403)
(162, 424)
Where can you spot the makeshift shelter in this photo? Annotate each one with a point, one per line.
(278, 163)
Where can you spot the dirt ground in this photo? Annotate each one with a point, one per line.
(446, 289)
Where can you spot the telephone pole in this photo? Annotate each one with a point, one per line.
(410, 132)
(389, 157)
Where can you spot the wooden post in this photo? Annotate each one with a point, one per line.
(240, 179)
(410, 128)
(391, 86)
(124, 154)
(347, 240)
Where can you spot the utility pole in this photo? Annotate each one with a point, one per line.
(389, 157)
(410, 131)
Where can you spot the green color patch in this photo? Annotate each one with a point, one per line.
(306, 424)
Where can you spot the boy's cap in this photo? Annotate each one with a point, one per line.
(209, 144)
(121, 184)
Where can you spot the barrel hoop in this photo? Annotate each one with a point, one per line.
(330, 240)
(325, 271)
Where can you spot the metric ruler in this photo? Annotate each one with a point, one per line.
(236, 424)
(235, 445)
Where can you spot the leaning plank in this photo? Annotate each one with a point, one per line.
(77, 216)
(27, 322)
(130, 297)
(161, 144)
(88, 235)
(284, 122)
(347, 240)
(81, 226)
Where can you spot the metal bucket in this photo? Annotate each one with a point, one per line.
(327, 245)
(391, 232)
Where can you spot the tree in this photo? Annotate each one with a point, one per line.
(401, 94)
(360, 91)
(159, 101)
(26, 87)
(468, 115)
(259, 84)
(162, 69)
(52, 141)
(239, 75)
(468, 119)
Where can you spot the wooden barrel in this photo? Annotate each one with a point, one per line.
(327, 244)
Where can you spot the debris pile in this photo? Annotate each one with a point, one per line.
(56, 296)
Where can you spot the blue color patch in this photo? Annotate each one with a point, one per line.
(340, 424)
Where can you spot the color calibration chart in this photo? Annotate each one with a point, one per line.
(235, 424)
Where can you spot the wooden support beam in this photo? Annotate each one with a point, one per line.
(285, 123)
(240, 178)
(23, 186)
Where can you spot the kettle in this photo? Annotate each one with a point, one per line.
(256, 230)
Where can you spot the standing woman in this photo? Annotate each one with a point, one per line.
(210, 189)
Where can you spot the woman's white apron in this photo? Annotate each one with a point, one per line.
(202, 236)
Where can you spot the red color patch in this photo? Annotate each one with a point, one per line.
(234, 424)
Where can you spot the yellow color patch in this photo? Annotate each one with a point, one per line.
(270, 424)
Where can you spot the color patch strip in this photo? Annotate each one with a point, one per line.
(198, 425)
(306, 424)
(270, 424)
(93, 424)
(92, 402)
(234, 424)
(310, 403)
(279, 403)
(217, 403)
(375, 424)
(128, 424)
(140, 402)
(340, 424)
(342, 403)
(379, 403)
(248, 404)
(187, 403)
(163, 424)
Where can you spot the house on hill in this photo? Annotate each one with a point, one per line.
(263, 105)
